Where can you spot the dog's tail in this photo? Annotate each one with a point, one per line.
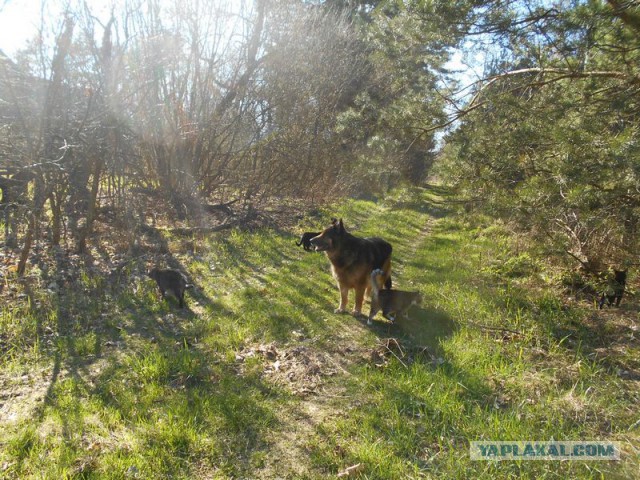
(299, 243)
(375, 287)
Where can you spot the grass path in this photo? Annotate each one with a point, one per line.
(257, 378)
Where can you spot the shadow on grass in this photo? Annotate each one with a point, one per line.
(193, 397)
(131, 353)
(423, 327)
(606, 337)
(287, 301)
(426, 199)
(147, 367)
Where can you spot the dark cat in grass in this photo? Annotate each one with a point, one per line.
(615, 289)
(170, 281)
(305, 240)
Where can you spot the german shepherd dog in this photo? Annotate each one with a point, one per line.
(352, 261)
(392, 302)
(305, 240)
(615, 289)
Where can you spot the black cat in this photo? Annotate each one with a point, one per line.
(615, 289)
(172, 281)
(305, 240)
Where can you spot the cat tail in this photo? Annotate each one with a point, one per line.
(375, 288)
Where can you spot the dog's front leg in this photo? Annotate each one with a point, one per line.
(344, 298)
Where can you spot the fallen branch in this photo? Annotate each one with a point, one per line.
(352, 470)
(393, 342)
(186, 231)
(495, 329)
(220, 207)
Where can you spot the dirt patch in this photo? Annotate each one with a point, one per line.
(388, 349)
(319, 376)
(302, 369)
(21, 395)
(316, 375)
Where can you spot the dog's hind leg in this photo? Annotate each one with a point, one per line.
(344, 298)
(367, 292)
(357, 311)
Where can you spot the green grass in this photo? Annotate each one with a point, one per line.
(107, 381)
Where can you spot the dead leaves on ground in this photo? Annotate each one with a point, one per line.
(301, 368)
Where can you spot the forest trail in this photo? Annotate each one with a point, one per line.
(258, 378)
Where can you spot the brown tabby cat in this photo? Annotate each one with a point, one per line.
(392, 302)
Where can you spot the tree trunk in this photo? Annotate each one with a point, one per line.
(56, 221)
(91, 211)
(28, 240)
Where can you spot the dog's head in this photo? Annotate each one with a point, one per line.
(329, 237)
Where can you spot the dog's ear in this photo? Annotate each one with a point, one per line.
(341, 226)
(334, 221)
